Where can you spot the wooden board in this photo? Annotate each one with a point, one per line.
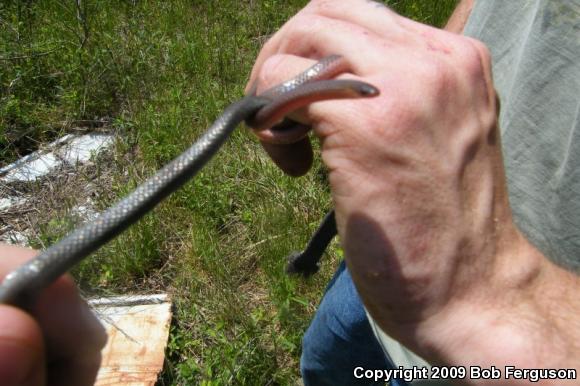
(138, 328)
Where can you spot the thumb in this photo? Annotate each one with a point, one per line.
(21, 349)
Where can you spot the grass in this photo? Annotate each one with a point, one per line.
(158, 73)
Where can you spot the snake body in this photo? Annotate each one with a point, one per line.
(21, 286)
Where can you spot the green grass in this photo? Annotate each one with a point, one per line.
(159, 73)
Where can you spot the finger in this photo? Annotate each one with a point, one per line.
(294, 159)
(314, 37)
(375, 16)
(286, 144)
(72, 334)
(12, 256)
(269, 49)
(76, 371)
(21, 348)
(284, 133)
(384, 23)
(395, 29)
(279, 69)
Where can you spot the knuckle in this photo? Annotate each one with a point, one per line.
(482, 50)
(477, 65)
(302, 23)
(437, 75)
(268, 42)
(300, 29)
(475, 57)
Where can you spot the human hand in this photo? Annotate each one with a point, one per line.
(57, 343)
(417, 181)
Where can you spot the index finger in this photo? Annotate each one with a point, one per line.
(347, 28)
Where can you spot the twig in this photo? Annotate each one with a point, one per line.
(33, 55)
(82, 19)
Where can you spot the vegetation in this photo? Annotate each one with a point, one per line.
(158, 73)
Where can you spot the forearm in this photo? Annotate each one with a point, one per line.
(519, 310)
(458, 19)
(526, 317)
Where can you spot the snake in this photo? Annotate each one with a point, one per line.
(266, 113)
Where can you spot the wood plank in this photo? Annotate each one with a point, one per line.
(138, 328)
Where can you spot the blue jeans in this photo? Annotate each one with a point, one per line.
(340, 338)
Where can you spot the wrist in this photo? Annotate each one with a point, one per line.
(524, 318)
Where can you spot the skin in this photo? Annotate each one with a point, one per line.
(458, 19)
(421, 206)
(58, 342)
(419, 189)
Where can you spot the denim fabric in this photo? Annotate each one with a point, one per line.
(340, 339)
